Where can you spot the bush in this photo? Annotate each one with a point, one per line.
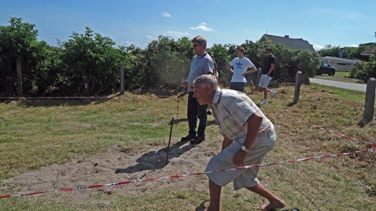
(364, 70)
(289, 62)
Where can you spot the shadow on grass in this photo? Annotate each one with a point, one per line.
(156, 159)
(208, 123)
(291, 104)
(202, 206)
(177, 121)
(362, 123)
(212, 122)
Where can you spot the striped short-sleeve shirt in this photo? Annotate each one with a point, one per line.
(231, 109)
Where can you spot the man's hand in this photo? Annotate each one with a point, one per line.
(239, 158)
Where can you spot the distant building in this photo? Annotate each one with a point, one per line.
(369, 51)
(292, 43)
(341, 64)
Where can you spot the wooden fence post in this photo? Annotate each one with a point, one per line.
(369, 106)
(19, 77)
(298, 81)
(122, 79)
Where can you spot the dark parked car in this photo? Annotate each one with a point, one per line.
(326, 68)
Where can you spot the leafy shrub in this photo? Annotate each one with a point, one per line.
(364, 70)
(289, 62)
(89, 63)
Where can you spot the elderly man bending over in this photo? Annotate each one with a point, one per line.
(248, 136)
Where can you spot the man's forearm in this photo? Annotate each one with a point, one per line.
(229, 69)
(254, 123)
(253, 69)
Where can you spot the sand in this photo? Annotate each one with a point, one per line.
(118, 164)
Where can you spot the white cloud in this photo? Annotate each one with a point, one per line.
(166, 14)
(150, 37)
(318, 47)
(202, 26)
(177, 34)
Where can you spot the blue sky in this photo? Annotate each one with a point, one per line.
(320, 22)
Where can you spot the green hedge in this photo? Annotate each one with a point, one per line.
(364, 70)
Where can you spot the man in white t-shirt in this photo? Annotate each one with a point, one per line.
(239, 67)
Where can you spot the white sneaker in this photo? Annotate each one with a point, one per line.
(264, 102)
(272, 94)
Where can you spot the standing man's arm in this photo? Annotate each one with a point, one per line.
(209, 67)
(253, 69)
(230, 70)
(272, 65)
(271, 68)
(250, 70)
(216, 70)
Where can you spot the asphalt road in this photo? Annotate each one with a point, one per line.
(339, 84)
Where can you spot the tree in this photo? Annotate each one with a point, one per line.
(330, 50)
(289, 61)
(167, 61)
(90, 63)
(364, 70)
(45, 75)
(348, 52)
(222, 58)
(18, 56)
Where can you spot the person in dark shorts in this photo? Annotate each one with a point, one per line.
(267, 75)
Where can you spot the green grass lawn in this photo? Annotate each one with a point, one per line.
(37, 133)
(342, 74)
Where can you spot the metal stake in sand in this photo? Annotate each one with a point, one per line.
(177, 110)
(169, 139)
(177, 106)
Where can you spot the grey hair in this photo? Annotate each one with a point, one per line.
(207, 79)
(200, 40)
